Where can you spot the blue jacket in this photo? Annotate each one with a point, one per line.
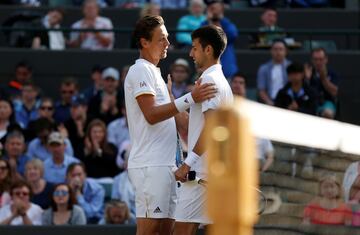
(228, 58)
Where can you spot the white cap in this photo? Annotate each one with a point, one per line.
(110, 72)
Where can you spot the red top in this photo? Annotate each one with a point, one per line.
(320, 215)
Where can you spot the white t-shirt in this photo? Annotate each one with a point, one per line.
(224, 95)
(276, 80)
(263, 147)
(34, 213)
(151, 145)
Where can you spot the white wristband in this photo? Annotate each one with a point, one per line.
(191, 159)
(183, 103)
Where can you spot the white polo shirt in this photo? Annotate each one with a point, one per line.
(224, 95)
(151, 145)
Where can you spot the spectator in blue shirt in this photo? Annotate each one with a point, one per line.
(89, 194)
(68, 88)
(37, 148)
(14, 151)
(215, 16)
(26, 109)
(55, 167)
(190, 22)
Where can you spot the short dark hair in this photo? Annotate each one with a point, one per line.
(238, 74)
(20, 184)
(67, 81)
(295, 67)
(72, 198)
(73, 165)
(23, 64)
(213, 36)
(278, 40)
(144, 28)
(318, 49)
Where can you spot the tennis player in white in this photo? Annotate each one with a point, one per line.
(152, 127)
(208, 43)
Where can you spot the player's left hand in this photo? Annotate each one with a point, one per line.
(182, 172)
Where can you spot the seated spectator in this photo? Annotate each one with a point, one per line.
(38, 147)
(190, 22)
(14, 152)
(55, 167)
(328, 208)
(106, 104)
(150, 9)
(96, 83)
(21, 211)
(5, 182)
(26, 109)
(264, 147)
(7, 120)
(272, 75)
(118, 130)
(63, 210)
(34, 175)
(68, 88)
(215, 16)
(351, 186)
(89, 194)
(180, 76)
(31, 3)
(101, 3)
(269, 21)
(116, 212)
(22, 75)
(297, 95)
(99, 156)
(171, 4)
(53, 40)
(77, 124)
(122, 188)
(46, 110)
(324, 81)
(130, 4)
(92, 20)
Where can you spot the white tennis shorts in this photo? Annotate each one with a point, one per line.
(155, 191)
(191, 203)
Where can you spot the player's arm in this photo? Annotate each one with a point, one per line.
(156, 113)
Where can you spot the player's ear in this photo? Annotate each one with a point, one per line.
(209, 50)
(144, 43)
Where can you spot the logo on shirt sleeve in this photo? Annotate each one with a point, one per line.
(143, 84)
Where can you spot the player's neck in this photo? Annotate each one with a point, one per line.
(209, 64)
(147, 56)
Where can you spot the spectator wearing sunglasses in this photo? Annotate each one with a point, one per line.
(68, 88)
(63, 210)
(21, 211)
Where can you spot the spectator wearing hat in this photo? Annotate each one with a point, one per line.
(106, 104)
(215, 16)
(190, 22)
(180, 75)
(77, 123)
(55, 167)
(96, 83)
(68, 88)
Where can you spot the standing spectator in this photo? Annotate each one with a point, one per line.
(23, 74)
(26, 109)
(297, 95)
(38, 147)
(53, 40)
(215, 16)
(5, 182)
(34, 175)
(96, 83)
(77, 124)
(68, 88)
(190, 22)
(180, 76)
(106, 104)
(21, 211)
(14, 152)
(89, 194)
(116, 212)
(324, 81)
(92, 20)
(328, 208)
(46, 110)
(55, 167)
(272, 76)
(269, 21)
(63, 210)
(99, 155)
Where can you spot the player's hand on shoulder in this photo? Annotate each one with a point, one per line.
(202, 92)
